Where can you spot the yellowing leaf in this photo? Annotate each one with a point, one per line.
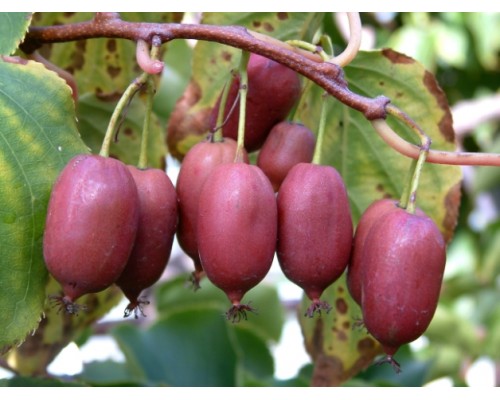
(36, 141)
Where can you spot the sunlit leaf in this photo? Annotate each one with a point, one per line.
(34, 137)
(13, 26)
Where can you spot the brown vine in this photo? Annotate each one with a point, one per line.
(327, 75)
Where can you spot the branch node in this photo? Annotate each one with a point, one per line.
(377, 108)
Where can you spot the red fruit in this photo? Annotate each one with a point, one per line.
(314, 229)
(405, 256)
(371, 215)
(198, 164)
(237, 227)
(155, 235)
(288, 143)
(91, 226)
(273, 90)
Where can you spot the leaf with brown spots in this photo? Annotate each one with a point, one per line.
(372, 170)
(100, 66)
(338, 345)
(58, 329)
(212, 65)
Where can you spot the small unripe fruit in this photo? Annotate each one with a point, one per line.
(288, 144)
(155, 235)
(198, 164)
(237, 227)
(273, 90)
(314, 229)
(91, 225)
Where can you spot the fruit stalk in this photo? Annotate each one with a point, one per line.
(217, 130)
(321, 132)
(245, 56)
(150, 92)
(416, 178)
(115, 121)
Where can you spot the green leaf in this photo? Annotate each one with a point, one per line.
(486, 37)
(212, 65)
(27, 381)
(13, 27)
(196, 349)
(173, 296)
(37, 139)
(109, 373)
(255, 361)
(370, 168)
(93, 118)
(58, 329)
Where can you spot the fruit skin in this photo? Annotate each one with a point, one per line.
(314, 229)
(273, 90)
(237, 228)
(405, 256)
(91, 225)
(370, 216)
(199, 162)
(287, 144)
(155, 234)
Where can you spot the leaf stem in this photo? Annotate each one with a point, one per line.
(309, 47)
(321, 131)
(350, 52)
(245, 56)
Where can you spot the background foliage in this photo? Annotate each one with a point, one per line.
(170, 346)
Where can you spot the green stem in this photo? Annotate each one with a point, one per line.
(124, 101)
(326, 44)
(309, 47)
(321, 132)
(217, 135)
(405, 196)
(143, 155)
(150, 92)
(409, 197)
(415, 179)
(245, 56)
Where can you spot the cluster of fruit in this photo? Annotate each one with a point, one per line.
(133, 216)
(231, 222)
